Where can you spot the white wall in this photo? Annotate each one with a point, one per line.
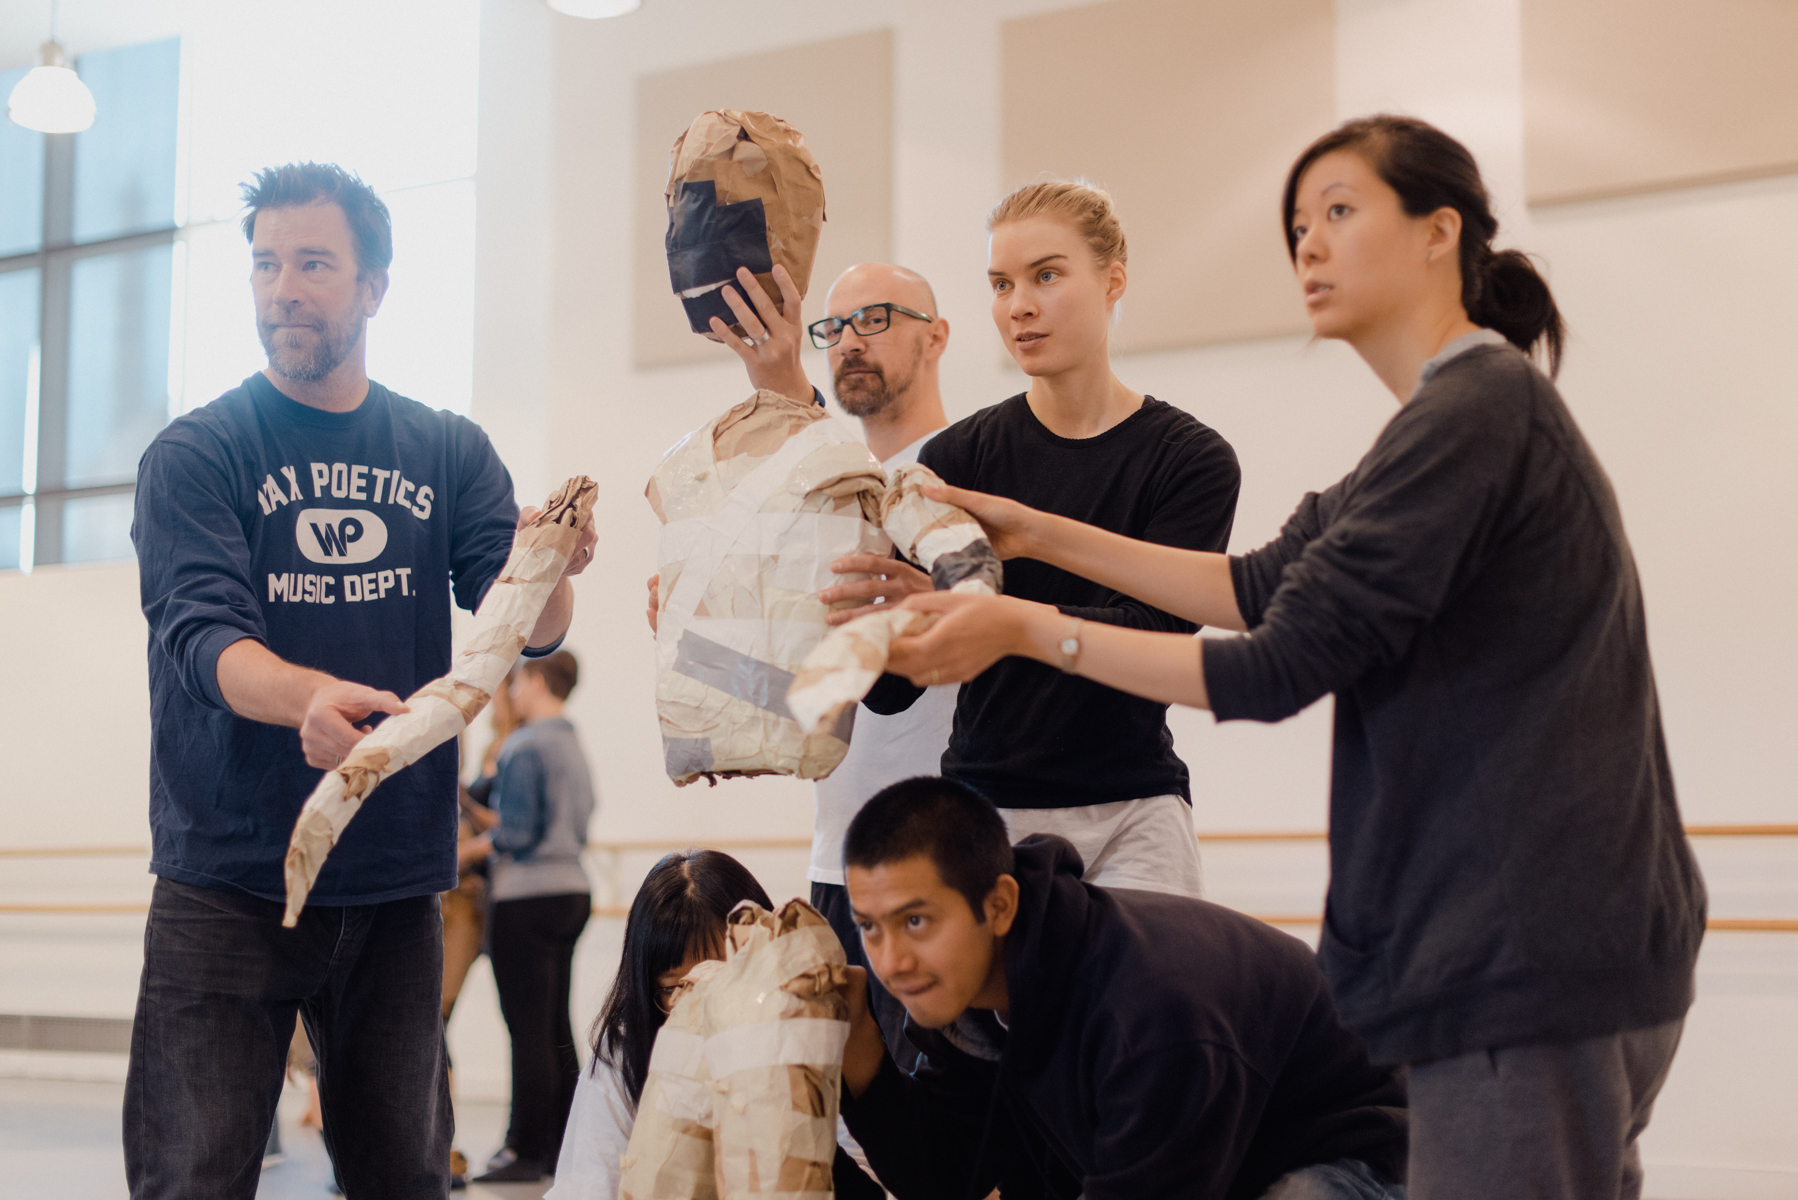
(1676, 309)
(1680, 305)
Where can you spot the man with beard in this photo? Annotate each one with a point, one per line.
(299, 542)
(885, 342)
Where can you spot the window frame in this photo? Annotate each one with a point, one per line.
(55, 260)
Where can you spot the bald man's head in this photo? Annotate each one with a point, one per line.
(897, 284)
(873, 373)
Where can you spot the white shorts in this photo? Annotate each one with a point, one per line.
(1146, 844)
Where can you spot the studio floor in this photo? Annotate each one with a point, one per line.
(59, 1140)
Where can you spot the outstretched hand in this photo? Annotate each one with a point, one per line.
(1012, 528)
(655, 600)
(890, 581)
(970, 634)
(330, 731)
(770, 340)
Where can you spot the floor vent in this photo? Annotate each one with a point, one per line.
(94, 1035)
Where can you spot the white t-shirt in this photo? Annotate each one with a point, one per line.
(882, 750)
(599, 1132)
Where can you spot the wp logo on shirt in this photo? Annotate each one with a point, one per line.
(340, 535)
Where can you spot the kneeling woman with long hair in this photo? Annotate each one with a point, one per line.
(1513, 908)
(675, 923)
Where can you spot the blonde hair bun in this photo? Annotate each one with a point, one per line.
(1089, 208)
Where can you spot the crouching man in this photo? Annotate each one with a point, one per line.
(1085, 1041)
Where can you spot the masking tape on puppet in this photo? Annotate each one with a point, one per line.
(803, 1042)
(686, 1100)
(734, 673)
(677, 1052)
(947, 539)
(783, 643)
(769, 533)
(742, 504)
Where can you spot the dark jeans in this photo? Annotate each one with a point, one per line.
(215, 1008)
(1540, 1121)
(531, 945)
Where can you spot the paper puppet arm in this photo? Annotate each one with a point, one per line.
(443, 707)
(944, 540)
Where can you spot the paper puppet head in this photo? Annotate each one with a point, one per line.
(743, 191)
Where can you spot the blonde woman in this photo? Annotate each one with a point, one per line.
(1055, 753)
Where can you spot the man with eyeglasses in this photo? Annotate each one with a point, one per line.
(885, 341)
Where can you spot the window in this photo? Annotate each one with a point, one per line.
(86, 289)
(124, 278)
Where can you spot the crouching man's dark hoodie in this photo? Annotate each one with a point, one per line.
(1157, 1046)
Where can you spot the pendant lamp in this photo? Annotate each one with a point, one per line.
(51, 98)
(594, 9)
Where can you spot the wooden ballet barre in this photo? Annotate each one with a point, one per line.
(625, 847)
(1715, 924)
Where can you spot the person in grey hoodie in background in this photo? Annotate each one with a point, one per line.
(543, 797)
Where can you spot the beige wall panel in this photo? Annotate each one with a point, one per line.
(1189, 112)
(839, 94)
(1626, 96)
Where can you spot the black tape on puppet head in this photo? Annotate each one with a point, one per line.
(707, 242)
(743, 191)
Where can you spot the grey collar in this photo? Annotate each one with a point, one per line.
(977, 1033)
(1456, 348)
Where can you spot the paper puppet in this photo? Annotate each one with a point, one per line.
(442, 708)
(743, 191)
(944, 540)
(755, 506)
(741, 1095)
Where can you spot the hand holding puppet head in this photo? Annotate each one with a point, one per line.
(743, 191)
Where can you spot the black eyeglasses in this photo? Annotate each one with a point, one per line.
(867, 320)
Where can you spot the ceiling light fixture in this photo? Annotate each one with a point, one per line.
(594, 9)
(51, 98)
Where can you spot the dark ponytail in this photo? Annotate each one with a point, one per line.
(1501, 290)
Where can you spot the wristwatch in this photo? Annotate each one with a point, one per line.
(1069, 645)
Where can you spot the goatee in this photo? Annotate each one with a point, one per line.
(864, 392)
(310, 363)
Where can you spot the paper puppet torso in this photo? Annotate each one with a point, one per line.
(755, 507)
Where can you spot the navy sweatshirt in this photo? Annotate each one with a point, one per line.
(1506, 858)
(1027, 735)
(335, 539)
(1158, 1046)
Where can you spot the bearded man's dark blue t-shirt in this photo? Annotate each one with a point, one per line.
(336, 540)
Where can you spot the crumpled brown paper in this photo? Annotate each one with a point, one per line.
(944, 540)
(670, 1156)
(442, 708)
(767, 1029)
(752, 156)
(755, 506)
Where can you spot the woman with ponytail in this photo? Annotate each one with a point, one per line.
(1513, 909)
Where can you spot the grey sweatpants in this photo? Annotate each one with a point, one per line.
(1547, 1121)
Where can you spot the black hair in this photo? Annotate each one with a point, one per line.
(317, 183)
(680, 908)
(1501, 290)
(952, 825)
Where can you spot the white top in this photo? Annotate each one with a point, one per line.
(599, 1132)
(882, 750)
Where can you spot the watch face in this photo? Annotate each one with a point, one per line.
(1070, 646)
